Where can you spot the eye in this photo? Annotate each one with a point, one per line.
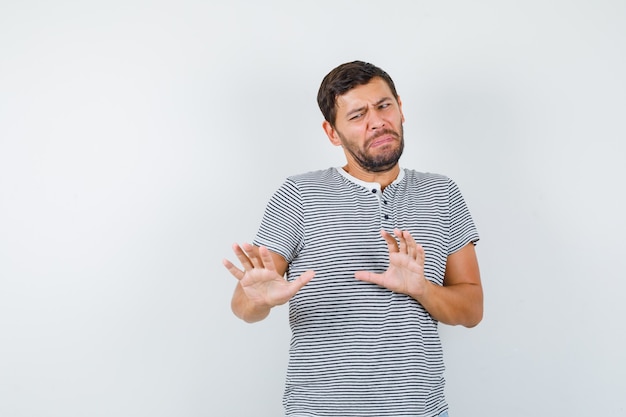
(384, 105)
(356, 116)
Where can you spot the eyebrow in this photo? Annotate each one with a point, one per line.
(360, 109)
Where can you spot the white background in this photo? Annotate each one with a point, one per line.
(140, 139)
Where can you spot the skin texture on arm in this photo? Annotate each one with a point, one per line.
(262, 284)
(458, 301)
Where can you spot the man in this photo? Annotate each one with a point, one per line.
(375, 256)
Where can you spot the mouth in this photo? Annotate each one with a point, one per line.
(381, 142)
(382, 139)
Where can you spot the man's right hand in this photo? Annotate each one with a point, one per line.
(261, 281)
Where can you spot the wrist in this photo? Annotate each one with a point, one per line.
(422, 290)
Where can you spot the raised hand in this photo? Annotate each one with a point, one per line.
(406, 266)
(262, 283)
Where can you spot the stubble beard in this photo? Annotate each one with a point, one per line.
(382, 162)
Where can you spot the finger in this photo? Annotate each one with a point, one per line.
(411, 245)
(302, 280)
(392, 243)
(266, 258)
(243, 258)
(369, 277)
(420, 254)
(294, 286)
(414, 249)
(234, 271)
(402, 245)
(252, 252)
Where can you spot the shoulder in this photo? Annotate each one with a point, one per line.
(315, 181)
(308, 184)
(314, 176)
(426, 178)
(431, 183)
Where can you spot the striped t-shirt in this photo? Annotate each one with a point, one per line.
(358, 349)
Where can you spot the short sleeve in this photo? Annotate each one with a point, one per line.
(462, 227)
(282, 226)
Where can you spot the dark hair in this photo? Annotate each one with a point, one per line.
(343, 79)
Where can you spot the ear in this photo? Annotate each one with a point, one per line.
(331, 133)
(400, 107)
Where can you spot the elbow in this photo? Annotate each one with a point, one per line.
(474, 318)
(472, 323)
(247, 314)
(238, 311)
(474, 314)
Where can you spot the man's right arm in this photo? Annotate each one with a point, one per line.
(245, 309)
(262, 284)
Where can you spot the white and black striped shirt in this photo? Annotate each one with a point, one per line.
(358, 349)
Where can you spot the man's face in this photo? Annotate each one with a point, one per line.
(369, 126)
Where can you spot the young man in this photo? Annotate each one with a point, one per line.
(375, 255)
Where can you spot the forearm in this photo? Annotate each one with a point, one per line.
(245, 309)
(458, 304)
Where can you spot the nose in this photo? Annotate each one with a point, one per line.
(376, 121)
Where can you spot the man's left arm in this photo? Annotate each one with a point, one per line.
(460, 299)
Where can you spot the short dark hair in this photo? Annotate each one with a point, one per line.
(343, 79)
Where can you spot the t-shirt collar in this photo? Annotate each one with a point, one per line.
(369, 185)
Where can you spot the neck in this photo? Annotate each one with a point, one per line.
(384, 178)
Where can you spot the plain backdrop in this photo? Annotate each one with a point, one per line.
(140, 139)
